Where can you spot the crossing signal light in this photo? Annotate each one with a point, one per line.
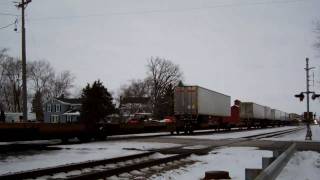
(300, 96)
(315, 96)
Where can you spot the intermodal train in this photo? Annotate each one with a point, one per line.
(195, 108)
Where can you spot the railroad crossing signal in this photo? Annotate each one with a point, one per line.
(300, 96)
(315, 96)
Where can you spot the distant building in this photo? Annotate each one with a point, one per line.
(132, 105)
(15, 117)
(62, 110)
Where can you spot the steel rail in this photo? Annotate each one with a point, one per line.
(65, 168)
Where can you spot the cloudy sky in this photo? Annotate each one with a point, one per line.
(252, 50)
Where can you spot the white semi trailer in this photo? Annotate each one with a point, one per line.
(194, 105)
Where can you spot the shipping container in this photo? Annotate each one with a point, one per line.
(249, 110)
(283, 116)
(287, 116)
(294, 116)
(267, 113)
(196, 100)
(276, 114)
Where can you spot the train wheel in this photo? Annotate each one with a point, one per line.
(84, 138)
(186, 132)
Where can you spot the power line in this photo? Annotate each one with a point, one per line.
(169, 10)
(14, 23)
(8, 14)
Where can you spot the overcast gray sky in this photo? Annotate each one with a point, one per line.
(252, 50)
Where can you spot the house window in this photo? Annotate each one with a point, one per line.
(54, 119)
(69, 119)
(58, 107)
(49, 108)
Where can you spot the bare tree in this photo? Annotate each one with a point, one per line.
(41, 77)
(135, 97)
(61, 84)
(136, 88)
(163, 75)
(41, 74)
(12, 83)
(3, 56)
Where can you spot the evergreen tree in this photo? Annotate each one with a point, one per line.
(37, 106)
(96, 103)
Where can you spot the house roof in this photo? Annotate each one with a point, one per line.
(72, 112)
(140, 100)
(70, 101)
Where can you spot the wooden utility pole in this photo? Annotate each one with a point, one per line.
(23, 6)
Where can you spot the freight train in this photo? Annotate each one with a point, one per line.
(195, 108)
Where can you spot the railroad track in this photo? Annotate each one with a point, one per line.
(126, 167)
(133, 166)
(274, 134)
(197, 132)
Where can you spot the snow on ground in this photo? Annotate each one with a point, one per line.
(303, 165)
(300, 135)
(231, 159)
(74, 154)
(231, 135)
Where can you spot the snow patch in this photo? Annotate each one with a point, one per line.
(74, 154)
(231, 159)
(303, 165)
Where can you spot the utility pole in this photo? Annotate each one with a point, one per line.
(23, 6)
(309, 132)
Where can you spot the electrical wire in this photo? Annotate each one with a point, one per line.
(14, 23)
(8, 14)
(8, 25)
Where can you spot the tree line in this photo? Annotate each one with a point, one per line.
(162, 76)
(43, 82)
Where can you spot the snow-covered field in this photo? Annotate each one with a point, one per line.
(73, 154)
(232, 159)
(300, 135)
(303, 165)
(231, 135)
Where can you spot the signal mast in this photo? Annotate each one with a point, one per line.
(308, 115)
